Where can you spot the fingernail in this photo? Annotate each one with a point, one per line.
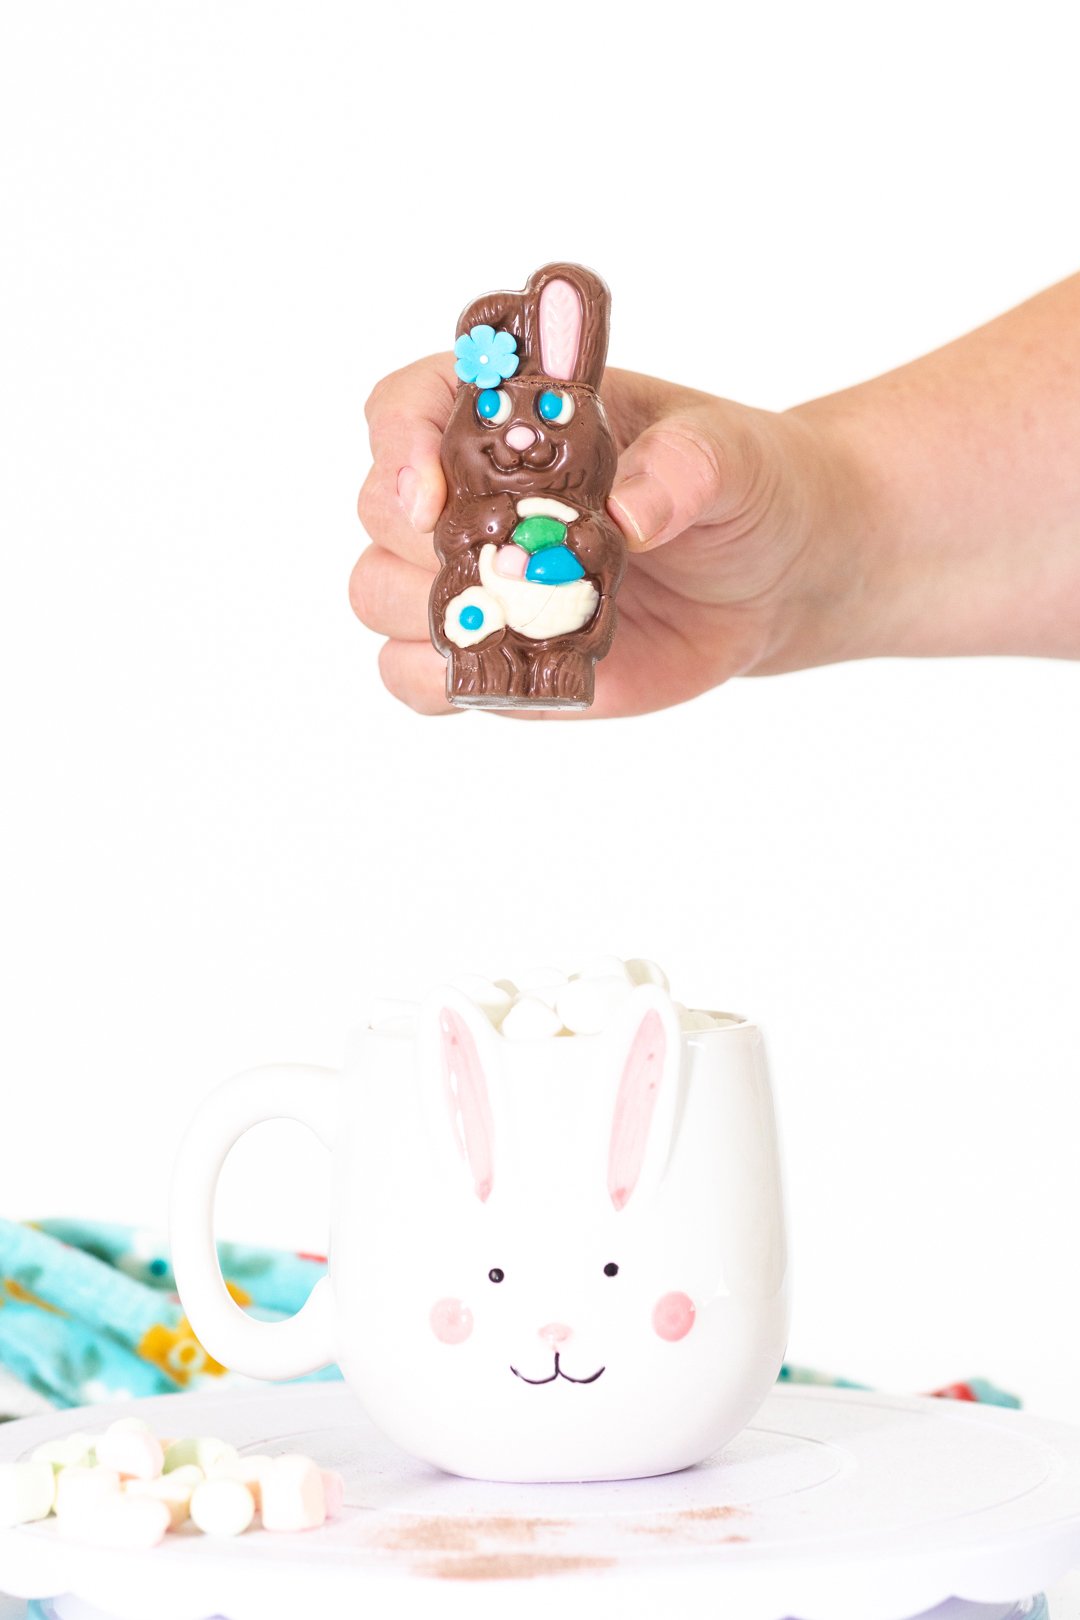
(643, 505)
(408, 490)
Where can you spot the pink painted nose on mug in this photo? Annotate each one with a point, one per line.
(555, 1333)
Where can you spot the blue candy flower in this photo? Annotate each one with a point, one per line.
(485, 357)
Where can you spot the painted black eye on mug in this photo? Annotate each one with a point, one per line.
(496, 1275)
(611, 1269)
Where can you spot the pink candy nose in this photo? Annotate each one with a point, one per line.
(519, 438)
(555, 1333)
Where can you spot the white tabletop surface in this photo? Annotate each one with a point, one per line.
(316, 1419)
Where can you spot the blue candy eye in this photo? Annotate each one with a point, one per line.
(493, 406)
(555, 407)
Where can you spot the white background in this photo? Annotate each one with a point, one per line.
(221, 224)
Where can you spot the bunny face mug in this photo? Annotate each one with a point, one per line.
(561, 1258)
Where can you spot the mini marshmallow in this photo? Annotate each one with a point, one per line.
(333, 1491)
(27, 1492)
(531, 1019)
(293, 1495)
(586, 1005)
(541, 982)
(131, 1448)
(78, 1489)
(222, 1507)
(175, 1490)
(491, 998)
(75, 1451)
(244, 1470)
(691, 1020)
(605, 967)
(204, 1451)
(642, 971)
(120, 1521)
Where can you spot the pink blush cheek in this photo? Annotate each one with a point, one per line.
(451, 1321)
(673, 1317)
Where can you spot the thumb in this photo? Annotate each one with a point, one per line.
(682, 470)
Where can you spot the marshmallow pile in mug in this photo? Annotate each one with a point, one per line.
(544, 1002)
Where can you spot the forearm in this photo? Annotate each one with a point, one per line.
(956, 501)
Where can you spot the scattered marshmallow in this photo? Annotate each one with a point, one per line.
(78, 1490)
(222, 1507)
(293, 1495)
(128, 1488)
(531, 1019)
(119, 1521)
(175, 1490)
(244, 1470)
(333, 1491)
(586, 1005)
(132, 1449)
(203, 1451)
(27, 1492)
(75, 1451)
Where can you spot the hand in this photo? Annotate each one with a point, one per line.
(737, 523)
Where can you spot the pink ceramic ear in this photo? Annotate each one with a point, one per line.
(634, 1107)
(560, 329)
(467, 1097)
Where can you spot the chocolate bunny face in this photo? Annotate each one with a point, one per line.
(543, 429)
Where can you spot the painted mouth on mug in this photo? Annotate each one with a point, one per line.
(558, 1373)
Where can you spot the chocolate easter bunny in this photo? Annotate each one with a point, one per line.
(524, 602)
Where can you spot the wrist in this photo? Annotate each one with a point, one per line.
(838, 598)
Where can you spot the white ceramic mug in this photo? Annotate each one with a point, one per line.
(561, 1259)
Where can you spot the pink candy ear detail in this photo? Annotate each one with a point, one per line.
(467, 1096)
(634, 1107)
(560, 329)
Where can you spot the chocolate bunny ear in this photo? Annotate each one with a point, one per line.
(567, 314)
(501, 310)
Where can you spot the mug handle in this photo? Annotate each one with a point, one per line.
(302, 1343)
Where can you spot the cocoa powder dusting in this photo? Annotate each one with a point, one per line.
(441, 1533)
(515, 1566)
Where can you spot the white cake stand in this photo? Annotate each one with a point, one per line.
(833, 1505)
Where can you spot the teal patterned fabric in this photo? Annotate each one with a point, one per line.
(88, 1312)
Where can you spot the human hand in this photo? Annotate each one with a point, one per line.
(738, 522)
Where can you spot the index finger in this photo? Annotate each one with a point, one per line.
(404, 492)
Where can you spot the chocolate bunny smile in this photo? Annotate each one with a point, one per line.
(558, 1373)
(527, 458)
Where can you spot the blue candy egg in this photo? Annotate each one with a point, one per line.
(555, 565)
(471, 618)
(487, 403)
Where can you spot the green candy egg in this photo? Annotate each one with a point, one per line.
(537, 533)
